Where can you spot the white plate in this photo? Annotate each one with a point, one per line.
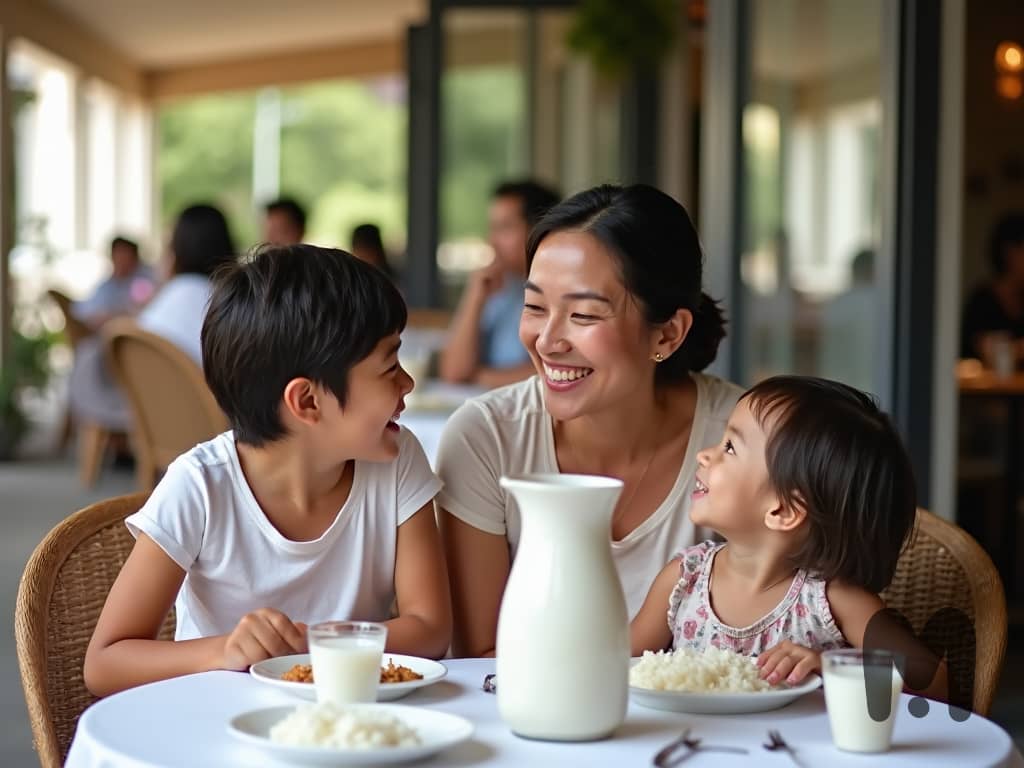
(722, 703)
(270, 672)
(437, 731)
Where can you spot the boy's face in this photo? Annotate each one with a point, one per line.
(377, 386)
(732, 492)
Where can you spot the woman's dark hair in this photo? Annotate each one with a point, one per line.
(1008, 232)
(833, 452)
(660, 258)
(201, 242)
(286, 312)
(367, 236)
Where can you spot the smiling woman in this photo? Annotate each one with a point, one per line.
(617, 327)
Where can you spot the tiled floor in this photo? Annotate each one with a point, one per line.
(36, 495)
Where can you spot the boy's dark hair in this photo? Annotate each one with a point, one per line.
(1008, 232)
(833, 452)
(286, 312)
(290, 207)
(535, 198)
(660, 260)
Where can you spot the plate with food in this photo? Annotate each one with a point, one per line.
(715, 682)
(354, 734)
(400, 675)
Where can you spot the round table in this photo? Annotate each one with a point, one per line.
(182, 722)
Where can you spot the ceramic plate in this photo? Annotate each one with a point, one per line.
(722, 703)
(270, 672)
(437, 731)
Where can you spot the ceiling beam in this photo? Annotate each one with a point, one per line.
(49, 28)
(381, 57)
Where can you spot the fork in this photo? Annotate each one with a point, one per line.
(778, 744)
(664, 757)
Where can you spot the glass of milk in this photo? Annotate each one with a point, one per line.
(346, 658)
(862, 694)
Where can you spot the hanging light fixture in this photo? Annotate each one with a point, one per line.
(1009, 62)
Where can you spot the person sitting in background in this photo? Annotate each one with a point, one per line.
(129, 287)
(368, 246)
(199, 245)
(285, 222)
(483, 343)
(997, 307)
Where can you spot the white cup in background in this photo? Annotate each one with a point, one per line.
(346, 658)
(847, 675)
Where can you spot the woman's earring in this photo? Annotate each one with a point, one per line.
(658, 357)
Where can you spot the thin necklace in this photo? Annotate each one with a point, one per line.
(623, 506)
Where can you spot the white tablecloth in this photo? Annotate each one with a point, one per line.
(182, 722)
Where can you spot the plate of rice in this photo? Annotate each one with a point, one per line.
(277, 671)
(715, 682)
(354, 734)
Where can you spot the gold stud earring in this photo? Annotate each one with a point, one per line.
(658, 357)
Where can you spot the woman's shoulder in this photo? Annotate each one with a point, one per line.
(511, 404)
(716, 396)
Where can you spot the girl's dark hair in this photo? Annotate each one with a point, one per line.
(1008, 232)
(201, 242)
(659, 257)
(833, 452)
(291, 311)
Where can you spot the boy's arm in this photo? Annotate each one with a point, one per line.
(124, 651)
(861, 617)
(649, 631)
(424, 623)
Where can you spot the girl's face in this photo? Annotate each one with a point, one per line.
(365, 427)
(732, 492)
(586, 334)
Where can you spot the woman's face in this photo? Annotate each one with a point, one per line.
(586, 334)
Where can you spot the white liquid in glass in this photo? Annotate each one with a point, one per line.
(853, 728)
(346, 669)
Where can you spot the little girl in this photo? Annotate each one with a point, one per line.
(814, 494)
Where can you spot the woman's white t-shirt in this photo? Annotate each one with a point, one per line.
(508, 431)
(177, 312)
(204, 516)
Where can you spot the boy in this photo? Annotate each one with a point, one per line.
(316, 505)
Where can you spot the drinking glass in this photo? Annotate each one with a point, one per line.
(346, 657)
(862, 693)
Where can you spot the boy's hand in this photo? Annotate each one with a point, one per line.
(260, 635)
(788, 662)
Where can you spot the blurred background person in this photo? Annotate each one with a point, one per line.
(129, 286)
(483, 344)
(199, 245)
(996, 308)
(285, 222)
(368, 246)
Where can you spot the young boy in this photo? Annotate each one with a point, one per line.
(316, 506)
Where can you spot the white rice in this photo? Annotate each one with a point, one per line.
(714, 670)
(327, 725)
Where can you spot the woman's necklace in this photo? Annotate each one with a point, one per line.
(623, 506)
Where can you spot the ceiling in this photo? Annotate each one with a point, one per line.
(160, 35)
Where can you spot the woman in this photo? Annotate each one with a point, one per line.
(617, 328)
(199, 245)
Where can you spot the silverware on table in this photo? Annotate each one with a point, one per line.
(490, 683)
(778, 744)
(671, 753)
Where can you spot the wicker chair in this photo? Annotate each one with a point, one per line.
(62, 591)
(172, 408)
(943, 567)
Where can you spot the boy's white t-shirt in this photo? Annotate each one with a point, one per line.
(508, 431)
(204, 516)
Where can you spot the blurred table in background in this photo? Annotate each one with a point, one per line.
(428, 407)
(977, 382)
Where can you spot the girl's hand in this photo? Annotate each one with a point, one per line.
(262, 634)
(788, 662)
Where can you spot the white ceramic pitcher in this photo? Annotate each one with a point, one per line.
(563, 631)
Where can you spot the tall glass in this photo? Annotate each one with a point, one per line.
(862, 693)
(346, 658)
